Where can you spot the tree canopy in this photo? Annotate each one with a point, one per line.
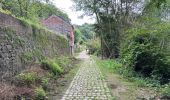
(84, 32)
(32, 9)
(136, 31)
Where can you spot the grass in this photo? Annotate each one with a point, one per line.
(64, 82)
(115, 74)
(5, 11)
(63, 61)
(40, 93)
(26, 22)
(114, 66)
(27, 78)
(40, 78)
(165, 90)
(107, 70)
(108, 66)
(45, 82)
(30, 77)
(53, 66)
(27, 56)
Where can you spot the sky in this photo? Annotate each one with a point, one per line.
(66, 6)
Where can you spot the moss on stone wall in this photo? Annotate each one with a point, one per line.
(23, 43)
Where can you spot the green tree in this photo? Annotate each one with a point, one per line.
(87, 31)
(33, 9)
(112, 17)
(77, 36)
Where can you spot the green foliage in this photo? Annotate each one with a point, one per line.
(144, 82)
(87, 31)
(82, 34)
(144, 53)
(40, 93)
(50, 9)
(27, 78)
(114, 66)
(109, 65)
(5, 11)
(142, 34)
(42, 39)
(80, 48)
(27, 22)
(56, 69)
(9, 32)
(155, 4)
(27, 56)
(45, 82)
(19, 41)
(166, 91)
(38, 54)
(111, 22)
(53, 66)
(31, 10)
(77, 36)
(94, 46)
(63, 60)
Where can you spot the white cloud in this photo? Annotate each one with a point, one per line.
(66, 6)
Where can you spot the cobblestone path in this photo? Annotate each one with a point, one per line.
(88, 84)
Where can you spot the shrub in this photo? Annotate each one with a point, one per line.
(40, 93)
(63, 61)
(79, 48)
(145, 82)
(45, 82)
(53, 66)
(94, 47)
(166, 91)
(27, 56)
(27, 78)
(114, 66)
(142, 53)
(56, 69)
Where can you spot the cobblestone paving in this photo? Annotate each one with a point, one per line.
(88, 84)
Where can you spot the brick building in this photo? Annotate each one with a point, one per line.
(61, 26)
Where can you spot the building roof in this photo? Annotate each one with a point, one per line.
(67, 21)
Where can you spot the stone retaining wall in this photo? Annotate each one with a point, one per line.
(22, 44)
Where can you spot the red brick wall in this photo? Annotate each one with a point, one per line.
(58, 25)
